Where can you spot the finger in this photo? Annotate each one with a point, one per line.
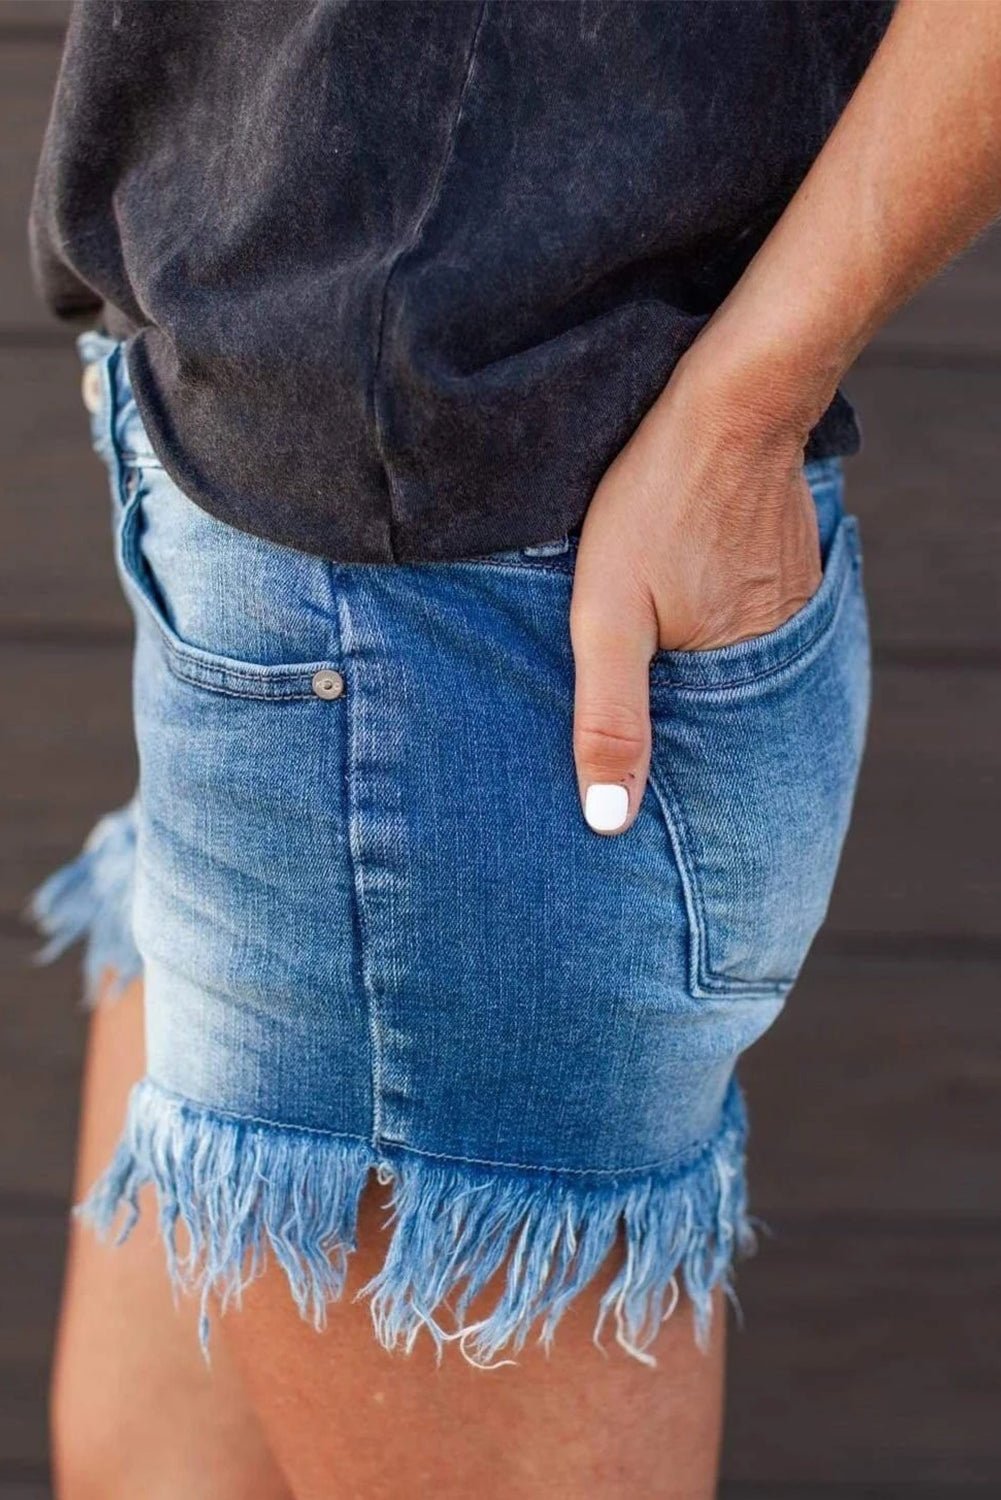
(611, 736)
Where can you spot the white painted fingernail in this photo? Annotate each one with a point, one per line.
(605, 806)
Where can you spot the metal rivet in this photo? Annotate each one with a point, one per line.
(90, 384)
(328, 684)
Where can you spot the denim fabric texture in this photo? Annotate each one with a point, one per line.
(377, 935)
(399, 280)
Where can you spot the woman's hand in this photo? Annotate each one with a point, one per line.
(703, 532)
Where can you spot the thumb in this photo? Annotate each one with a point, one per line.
(611, 735)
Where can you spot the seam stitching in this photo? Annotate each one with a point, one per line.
(362, 926)
(704, 982)
(690, 1156)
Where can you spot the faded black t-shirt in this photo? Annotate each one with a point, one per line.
(398, 280)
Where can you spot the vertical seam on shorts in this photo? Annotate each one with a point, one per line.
(358, 882)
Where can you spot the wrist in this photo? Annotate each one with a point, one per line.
(756, 381)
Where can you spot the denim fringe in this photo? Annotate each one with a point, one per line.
(90, 899)
(243, 1190)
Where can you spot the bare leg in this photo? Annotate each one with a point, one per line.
(135, 1412)
(346, 1418)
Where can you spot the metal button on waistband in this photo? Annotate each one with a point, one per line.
(328, 684)
(90, 384)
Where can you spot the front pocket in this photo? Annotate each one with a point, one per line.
(747, 661)
(222, 558)
(756, 751)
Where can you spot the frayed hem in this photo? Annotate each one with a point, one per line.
(89, 899)
(244, 1191)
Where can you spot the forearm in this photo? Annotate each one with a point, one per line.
(910, 174)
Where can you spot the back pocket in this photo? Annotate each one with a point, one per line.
(756, 751)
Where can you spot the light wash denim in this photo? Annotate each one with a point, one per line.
(376, 933)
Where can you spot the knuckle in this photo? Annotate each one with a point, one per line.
(610, 738)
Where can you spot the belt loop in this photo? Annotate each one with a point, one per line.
(95, 350)
(104, 354)
(554, 548)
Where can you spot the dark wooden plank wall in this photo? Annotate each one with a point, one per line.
(871, 1364)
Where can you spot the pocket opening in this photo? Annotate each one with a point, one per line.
(753, 779)
(748, 662)
(193, 664)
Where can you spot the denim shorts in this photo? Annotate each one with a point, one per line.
(378, 938)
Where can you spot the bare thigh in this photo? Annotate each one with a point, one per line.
(135, 1411)
(346, 1418)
